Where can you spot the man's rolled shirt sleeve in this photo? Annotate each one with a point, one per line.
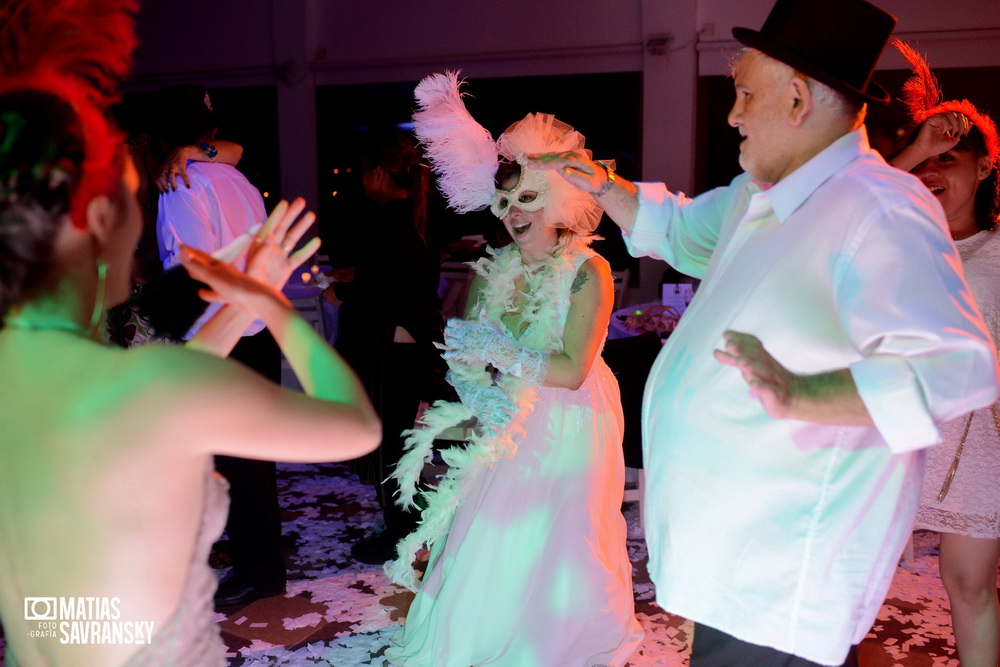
(902, 300)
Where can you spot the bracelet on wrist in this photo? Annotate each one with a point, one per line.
(210, 150)
(610, 173)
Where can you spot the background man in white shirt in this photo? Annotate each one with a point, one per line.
(220, 205)
(775, 516)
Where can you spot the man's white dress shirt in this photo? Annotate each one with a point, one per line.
(786, 533)
(220, 205)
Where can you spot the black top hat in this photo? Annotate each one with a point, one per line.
(836, 42)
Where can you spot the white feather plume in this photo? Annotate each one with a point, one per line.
(461, 151)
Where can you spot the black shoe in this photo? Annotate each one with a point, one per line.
(234, 592)
(376, 549)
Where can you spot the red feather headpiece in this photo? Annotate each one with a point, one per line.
(922, 96)
(78, 51)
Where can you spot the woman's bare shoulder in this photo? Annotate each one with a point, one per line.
(593, 273)
(174, 360)
(174, 367)
(596, 265)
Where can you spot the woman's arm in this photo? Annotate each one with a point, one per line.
(175, 164)
(591, 300)
(269, 262)
(938, 134)
(252, 417)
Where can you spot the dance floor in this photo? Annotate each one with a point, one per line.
(340, 613)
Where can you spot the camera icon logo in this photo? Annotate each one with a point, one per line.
(39, 609)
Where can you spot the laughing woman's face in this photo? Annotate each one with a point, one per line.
(520, 206)
(528, 228)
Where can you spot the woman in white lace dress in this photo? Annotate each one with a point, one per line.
(955, 153)
(528, 564)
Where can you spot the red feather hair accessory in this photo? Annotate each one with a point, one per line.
(922, 96)
(77, 51)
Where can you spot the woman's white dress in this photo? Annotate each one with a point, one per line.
(534, 570)
(972, 505)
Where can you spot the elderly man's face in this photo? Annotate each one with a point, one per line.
(760, 114)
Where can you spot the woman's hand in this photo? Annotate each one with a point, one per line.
(469, 342)
(268, 244)
(267, 269)
(175, 164)
(268, 258)
(472, 342)
(489, 404)
(941, 132)
(938, 134)
(227, 284)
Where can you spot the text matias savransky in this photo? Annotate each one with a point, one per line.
(84, 620)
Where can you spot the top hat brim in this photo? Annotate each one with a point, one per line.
(755, 40)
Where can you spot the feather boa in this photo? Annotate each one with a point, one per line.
(544, 307)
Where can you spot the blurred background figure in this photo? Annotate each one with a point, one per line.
(172, 303)
(214, 207)
(390, 313)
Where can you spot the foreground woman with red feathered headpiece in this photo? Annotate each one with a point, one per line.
(108, 501)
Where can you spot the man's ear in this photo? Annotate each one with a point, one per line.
(101, 219)
(801, 99)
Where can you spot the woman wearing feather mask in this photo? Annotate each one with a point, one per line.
(108, 501)
(955, 151)
(528, 566)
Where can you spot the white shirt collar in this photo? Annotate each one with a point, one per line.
(792, 191)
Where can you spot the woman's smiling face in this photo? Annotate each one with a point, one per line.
(524, 219)
(953, 177)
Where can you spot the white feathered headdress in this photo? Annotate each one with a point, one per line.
(461, 151)
(465, 157)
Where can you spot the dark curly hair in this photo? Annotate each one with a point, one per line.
(182, 115)
(987, 204)
(41, 160)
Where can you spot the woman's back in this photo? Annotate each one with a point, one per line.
(104, 489)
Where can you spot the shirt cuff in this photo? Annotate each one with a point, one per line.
(651, 223)
(895, 401)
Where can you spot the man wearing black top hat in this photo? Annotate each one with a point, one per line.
(781, 483)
